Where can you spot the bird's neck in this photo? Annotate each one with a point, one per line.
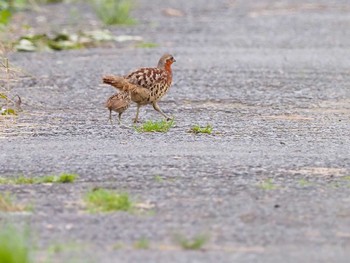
(167, 68)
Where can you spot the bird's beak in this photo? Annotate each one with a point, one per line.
(174, 60)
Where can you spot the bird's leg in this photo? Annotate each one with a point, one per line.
(157, 108)
(120, 118)
(110, 116)
(137, 113)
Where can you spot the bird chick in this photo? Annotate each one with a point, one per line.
(118, 102)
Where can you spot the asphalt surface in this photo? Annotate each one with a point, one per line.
(271, 184)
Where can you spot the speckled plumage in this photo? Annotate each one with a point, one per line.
(146, 85)
(118, 102)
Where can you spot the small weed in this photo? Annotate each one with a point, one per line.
(7, 205)
(158, 179)
(196, 243)
(268, 185)
(142, 243)
(102, 200)
(147, 45)
(346, 178)
(66, 178)
(113, 12)
(198, 129)
(62, 178)
(118, 246)
(159, 126)
(14, 246)
(304, 183)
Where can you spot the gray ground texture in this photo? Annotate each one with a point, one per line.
(272, 77)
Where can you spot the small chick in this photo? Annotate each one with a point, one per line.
(118, 102)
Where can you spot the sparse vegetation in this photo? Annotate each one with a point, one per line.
(158, 126)
(63, 41)
(158, 179)
(142, 243)
(7, 204)
(14, 246)
(62, 178)
(103, 200)
(268, 185)
(65, 178)
(147, 45)
(195, 243)
(304, 182)
(198, 129)
(113, 12)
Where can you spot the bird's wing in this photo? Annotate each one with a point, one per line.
(117, 101)
(147, 77)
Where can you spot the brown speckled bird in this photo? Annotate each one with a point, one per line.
(146, 85)
(118, 102)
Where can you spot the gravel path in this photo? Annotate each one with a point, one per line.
(271, 184)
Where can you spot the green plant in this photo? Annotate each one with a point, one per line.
(198, 129)
(195, 243)
(268, 185)
(303, 182)
(114, 11)
(158, 179)
(346, 178)
(147, 45)
(14, 246)
(62, 178)
(158, 126)
(142, 243)
(7, 8)
(102, 200)
(7, 204)
(66, 178)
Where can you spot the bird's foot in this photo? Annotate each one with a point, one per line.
(169, 118)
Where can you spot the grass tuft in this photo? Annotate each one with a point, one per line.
(7, 205)
(113, 12)
(102, 200)
(62, 178)
(14, 246)
(303, 182)
(198, 129)
(142, 243)
(66, 178)
(158, 179)
(268, 185)
(196, 243)
(158, 126)
(147, 45)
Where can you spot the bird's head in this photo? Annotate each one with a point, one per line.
(165, 61)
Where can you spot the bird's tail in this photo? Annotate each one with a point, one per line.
(119, 83)
(139, 94)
